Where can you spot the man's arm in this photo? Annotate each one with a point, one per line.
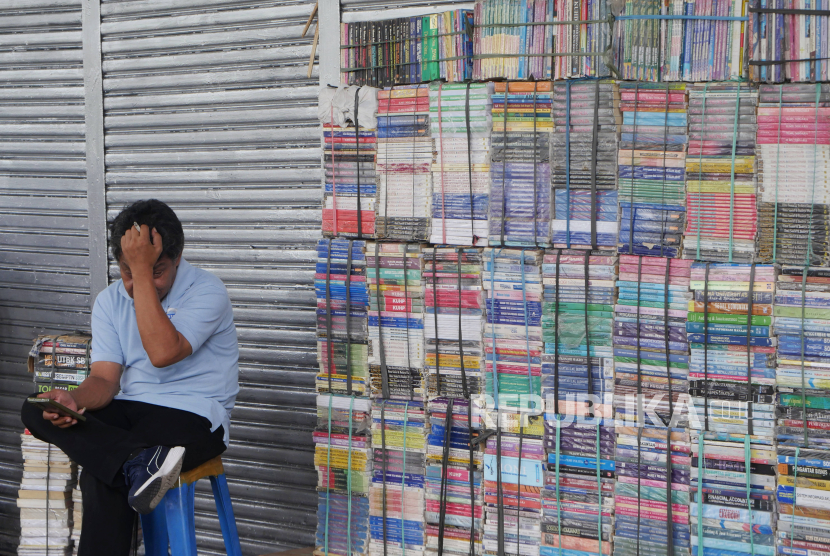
(163, 343)
(97, 391)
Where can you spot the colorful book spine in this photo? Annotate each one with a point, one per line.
(350, 191)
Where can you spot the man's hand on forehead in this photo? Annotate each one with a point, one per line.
(141, 248)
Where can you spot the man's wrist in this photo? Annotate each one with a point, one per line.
(142, 272)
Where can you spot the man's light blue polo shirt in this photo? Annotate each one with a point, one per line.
(206, 382)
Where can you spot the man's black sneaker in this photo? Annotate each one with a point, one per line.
(151, 474)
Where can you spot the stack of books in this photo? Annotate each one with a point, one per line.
(60, 362)
(520, 203)
(404, 163)
(721, 220)
(584, 164)
(652, 168)
(460, 121)
(453, 322)
(396, 320)
(454, 478)
(794, 174)
(651, 359)
(45, 499)
(397, 496)
(350, 190)
(77, 515)
(512, 280)
(700, 48)
(342, 324)
(803, 519)
(343, 458)
(407, 49)
(732, 377)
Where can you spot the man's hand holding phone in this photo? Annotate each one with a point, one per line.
(65, 399)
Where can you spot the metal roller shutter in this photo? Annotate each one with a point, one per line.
(207, 107)
(44, 251)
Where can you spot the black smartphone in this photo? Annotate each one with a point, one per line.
(60, 408)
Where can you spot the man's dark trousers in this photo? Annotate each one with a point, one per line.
(103, 443)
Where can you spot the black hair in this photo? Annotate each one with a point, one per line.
(154, 214)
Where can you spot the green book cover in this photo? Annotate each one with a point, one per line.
(718, 318)
(795, 312)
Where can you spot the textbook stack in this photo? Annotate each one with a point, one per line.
(512, 40)
(45, 499)
(794, 173)
(652, 167)
(513, 481)
(396, 320)
(732, 378)
(454, 494)
(584, 164)
(721, 219)
(520, 202)
(651, 363)
(512, 282)
(453, 324)
(460, 121)
(350, 190)
(342, 324)
(343, 458)
(77, 515)
(60, 362)
(681, 50)
(404, 163)
(396, 496)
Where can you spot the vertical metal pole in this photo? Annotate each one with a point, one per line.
(94, 119)
(328, 18)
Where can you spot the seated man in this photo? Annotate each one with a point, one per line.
(162, 384)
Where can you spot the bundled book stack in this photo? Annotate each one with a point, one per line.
(59, 361)
(651, 360)
(396, 320)
(787, 43)
(732, 378)
(396, 496)
(342, 324)
(513, 481)
(545, 39)
(721, 220)
(584, 164)
(512, 280)
(520, 203)
(454, 479)
(45, 499)
(460, 121)
(794, 173)
(343, 458)
(404, 163)
(407, 50)
(454, 322)
(350, 189)
(77, 515)
(652, 168)
(706, 45)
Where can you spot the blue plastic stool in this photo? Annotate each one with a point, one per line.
(173, 521)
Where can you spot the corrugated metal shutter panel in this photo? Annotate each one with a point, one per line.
(207, 107)
(44, 251)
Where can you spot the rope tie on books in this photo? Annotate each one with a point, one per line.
(591, 408)
(329, 346)
(732, 171)
(640, 410)
(568, 163)
(700, 171)
(333, 175)
(700, 468)
(558, 420)
(795, 489)
(663, 185)
(384, 462)
(535, 157)
(349, 319)
(412, 146)
(385, 232)
(631, 180)
(464, 387)
(815, 176)
(684, 17)
(357, 149)
(435, 319)
(408, 306)
(469, 162)
(384, 371)
(556, 342)
(49, 445)
(527, 329)
(499, 488)
(504, 167)
(403, 479)
(445, 457)
(349, 479)
(599, 493)
(495, 371)
(471, 476)
(594, 140)
(747, 472)
(750, 301)
(330, 480)
(803, 379)
(705, 348)
(777, 166)
(443, 156)
(666, 336)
